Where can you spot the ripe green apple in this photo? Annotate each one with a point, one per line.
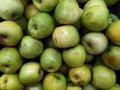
(67, 12)
(10, 82)
(51, 60)
(80, 75)
(41, 25)
(111, 57)
(73, 87)
(112, 17)
(65, 36)
(30, 10)
(91, 21)
(45, 5)
(75, 56)
(95, 42)
(103, 77)
(11, 10)
(10, 60)
(115, 87)
(30, 47)
(54, 81)
(89, 86)
(10, 33)
(37, 86)
(31, 73)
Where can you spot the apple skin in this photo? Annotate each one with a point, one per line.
(54, 81)
(30, 73)
(95, 43)
(30, 47)
(73, 87)
(37, 86)
(45, 5)
(10, 33)
(13, 11)
(111, 57)
(40, 25)
(10, 82)
(10, 60)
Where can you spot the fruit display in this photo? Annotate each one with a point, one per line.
(59, 44)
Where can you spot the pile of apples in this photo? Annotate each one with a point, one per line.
(59, 45)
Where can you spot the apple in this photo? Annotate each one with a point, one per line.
(89, 58)
(65, 36)
(10, 33)
(10, 82)
(80, 75)
(40, 25)
(75, 56)
(13, 11)
(30, 47)
(73, 87)
(37, 86)
(31, 73)
(115, 87)
(51, 60)
(103, 77)
(45, 5)
(54, 81)
(10, 60)
(112, 17)
(89, 86)
(95, 43)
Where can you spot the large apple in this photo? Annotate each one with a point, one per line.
(54, 81)
(30, 73)
(95, 42)
(10, 60)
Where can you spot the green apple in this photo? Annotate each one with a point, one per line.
(75, 56)
(89, 57)
(112, 17)
(90, 86)
(51, 60)
(10, 60)
(30, 47)
(91, 21)
(103, 77)
(37, 86)
(95, 43)
(30, 10)
(73, 87)
(40, 25)
(65, 36)
(10, 33)
(31, 73)
(115, 87)
(80, 75)
(54, 81)
(10, 82)
(111, 57)
(11, 10)
(45, 5)
(67, 12)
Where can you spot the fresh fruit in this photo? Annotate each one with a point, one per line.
(37, 86)
(73, 87)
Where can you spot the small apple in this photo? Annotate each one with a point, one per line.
(73, 87)
(37, 86)
(45, 5)
(10, 33)
(95, 42)
(10, 60)
(75, 56)
(89, 86)
(30, 47)
(54, 81)
(11, 10)
(40, 25)
(115, 87)
(30, 73)
(10, 82)
(112, 17)
(51, 60)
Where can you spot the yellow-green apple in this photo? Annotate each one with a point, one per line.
(80, 75)
(67, 12)
(112, 17)
(10, 60)
(89, 86)
(65, 36)
(95, 42)
(54, 81)
(115, 87)
(75, 56)
(51, 60)
(31, 73)
(11, 10)
(10, 82)
(73, 87)
(41, 25)
(37, 86)
(45, 5)
(10, 33)
(103, 77)
(30, 47)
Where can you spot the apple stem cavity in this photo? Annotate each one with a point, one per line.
(39, 1)
(35, 27)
